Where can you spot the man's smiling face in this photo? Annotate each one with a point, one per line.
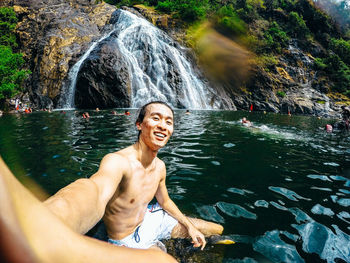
(157, 126)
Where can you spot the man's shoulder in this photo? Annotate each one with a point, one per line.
(122, 154)
(116, 159)
(110, 157)
(160, 164)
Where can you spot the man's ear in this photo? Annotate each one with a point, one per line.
(138, 126)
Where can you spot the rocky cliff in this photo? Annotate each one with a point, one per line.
(53, 35)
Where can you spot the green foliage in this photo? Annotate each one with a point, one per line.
(188, 10)
(112, 2)
(338, 72)
(11, 76)
(276, 38)
(228, 21)
(287, 4)
(166, 6)
(8, 22)
(341, 48)
(268, 62)
(281, 93)
(319, 64)
(248, 10)
(297, 25)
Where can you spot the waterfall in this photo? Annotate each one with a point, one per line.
(149, 76)
(67, 98)
(157, 66)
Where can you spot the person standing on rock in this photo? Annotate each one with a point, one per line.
(124, 185)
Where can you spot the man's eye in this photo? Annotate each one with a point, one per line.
(155, 118)
(169, 123)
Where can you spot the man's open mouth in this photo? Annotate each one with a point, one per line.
(159, 135)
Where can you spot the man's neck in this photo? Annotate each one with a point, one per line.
(145, 155)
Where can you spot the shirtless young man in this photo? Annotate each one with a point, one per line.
(122, 188)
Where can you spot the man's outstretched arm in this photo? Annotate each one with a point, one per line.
(81, 204)
(30, 232)
(168, 205)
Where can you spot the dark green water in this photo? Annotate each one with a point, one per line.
(281, 189)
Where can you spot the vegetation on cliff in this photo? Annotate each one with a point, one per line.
(266, 27)
(11, 72)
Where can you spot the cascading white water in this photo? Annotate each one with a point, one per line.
(151, 57)
(67, 101)
(149, 78)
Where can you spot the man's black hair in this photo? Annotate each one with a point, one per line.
(143, 110)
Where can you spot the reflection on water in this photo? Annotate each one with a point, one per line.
(280, 188)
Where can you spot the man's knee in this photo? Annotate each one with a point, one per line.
(206, 227)
(179, 231)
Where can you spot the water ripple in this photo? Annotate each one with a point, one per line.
(291, 195)
(273, 247)
(321, 210)
(321, 240)
(235, 210)
(208, 212)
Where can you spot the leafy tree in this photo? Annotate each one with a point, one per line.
(297, 25)
(8, 21)
(338, 72)
(228, 21)
(166, 6)
(188, 10)
(319, 64)
(341, 48)
(11, 76)
(248, 10)
(276, 38)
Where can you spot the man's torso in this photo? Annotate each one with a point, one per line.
(126, 209)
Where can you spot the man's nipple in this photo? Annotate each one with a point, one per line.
(132, 200)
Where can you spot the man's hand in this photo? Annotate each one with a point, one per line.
(198, 238)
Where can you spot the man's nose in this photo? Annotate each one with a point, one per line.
(162, 124)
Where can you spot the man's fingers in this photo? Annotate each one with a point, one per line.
(202, 240)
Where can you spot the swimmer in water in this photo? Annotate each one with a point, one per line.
(246, 122)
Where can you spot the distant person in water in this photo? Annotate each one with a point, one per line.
(97, 109)
(329, 128)
(246, 122)
(86, 115)
(187, 112)
(124, 185)
(127, 113)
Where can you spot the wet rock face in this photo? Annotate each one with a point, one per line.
(103, 80)
(290, 87)
(52, 35)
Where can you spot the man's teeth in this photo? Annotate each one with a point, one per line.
(159, 134)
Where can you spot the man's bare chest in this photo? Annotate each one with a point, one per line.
(139, 189)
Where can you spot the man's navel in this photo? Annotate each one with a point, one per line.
(132, 200)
